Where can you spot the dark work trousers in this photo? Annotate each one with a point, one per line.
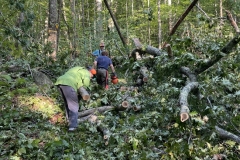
(102, 77)
(71, 103)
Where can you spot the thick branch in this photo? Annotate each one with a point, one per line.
(228, 135)
(227, 49)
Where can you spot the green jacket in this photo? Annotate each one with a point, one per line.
(76, 77)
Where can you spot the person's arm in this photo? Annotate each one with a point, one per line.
(95, 64)
(112, 68)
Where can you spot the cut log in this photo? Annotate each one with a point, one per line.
(225, 134)
(144, 73)
(124, 105)
(105, 133)
(184, 111)
(82, 91)
(93, 110)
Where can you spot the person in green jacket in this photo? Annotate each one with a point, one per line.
(69, 83)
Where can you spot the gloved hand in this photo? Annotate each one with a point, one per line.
(113, 75)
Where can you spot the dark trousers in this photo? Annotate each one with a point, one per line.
(102, 77)
(71, 103)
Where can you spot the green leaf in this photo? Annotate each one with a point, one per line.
(230, 143)
(2, 83)
(237, 93)
(21, 151)
(7, 77)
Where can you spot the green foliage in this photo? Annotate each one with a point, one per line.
(32, 121)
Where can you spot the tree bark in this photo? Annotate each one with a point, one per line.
(193, 84)
(143, 71)
(183, 100)
(99, 20)
(226, 134)
(53, 27)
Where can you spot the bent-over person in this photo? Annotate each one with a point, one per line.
(69, 83)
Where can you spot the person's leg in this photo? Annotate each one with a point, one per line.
(65, 102)
(72, 105)
(101, 77)
(106, 80)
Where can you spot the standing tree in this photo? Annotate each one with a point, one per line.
(53, 27)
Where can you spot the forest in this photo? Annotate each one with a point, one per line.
(178, 69)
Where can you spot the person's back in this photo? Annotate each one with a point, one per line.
(103, 62)
(98, 52)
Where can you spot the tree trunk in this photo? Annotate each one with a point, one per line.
(53, 27)
(159, 25)
(170, 16)
(64, 17)
(115, 23)
(74, 38)
(99, 20)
